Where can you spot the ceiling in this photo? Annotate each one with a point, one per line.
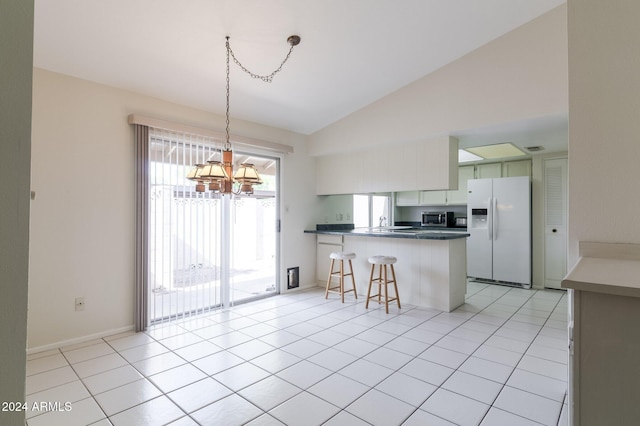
(352, 53)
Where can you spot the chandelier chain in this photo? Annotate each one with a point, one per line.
(266, 78)
(227, 145)
(219, 175)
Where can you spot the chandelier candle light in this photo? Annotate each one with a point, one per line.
(218, 174)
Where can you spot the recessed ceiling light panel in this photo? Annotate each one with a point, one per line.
(501, 150)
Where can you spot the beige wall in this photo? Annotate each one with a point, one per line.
(16, 51)
(604, 129)
(82, 226)
(520, 75)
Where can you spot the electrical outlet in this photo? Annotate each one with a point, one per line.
(79, 303)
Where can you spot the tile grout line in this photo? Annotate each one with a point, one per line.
(317, 313)
(524, 353)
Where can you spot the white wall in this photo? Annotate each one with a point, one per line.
(604, 129)
(520, 75)
(16, 51)
(82, 224)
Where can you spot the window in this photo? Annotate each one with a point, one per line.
(371, 210)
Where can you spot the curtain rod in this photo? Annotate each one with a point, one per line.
(185, 128)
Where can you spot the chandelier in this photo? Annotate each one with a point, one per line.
(218, 176)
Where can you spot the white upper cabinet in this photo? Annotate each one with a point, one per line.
(516, 168)
(407, 167)
(330, 181)
(456, 196)
(408, 198)
(488, 170)
(434, 198)
(460, 195)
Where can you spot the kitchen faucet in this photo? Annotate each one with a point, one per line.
(382, 219)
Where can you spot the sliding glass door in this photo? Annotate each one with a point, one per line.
(206, 250)
(253, 252)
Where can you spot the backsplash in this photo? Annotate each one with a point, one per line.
(335, 209)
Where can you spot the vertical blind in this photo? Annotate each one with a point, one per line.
(183, 226)
(181, 267)
(141, 139)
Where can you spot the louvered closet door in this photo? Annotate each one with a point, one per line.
(555, 209)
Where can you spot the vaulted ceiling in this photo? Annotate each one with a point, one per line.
(352, 53)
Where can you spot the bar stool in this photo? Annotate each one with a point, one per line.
(383, 262)
(341, 256)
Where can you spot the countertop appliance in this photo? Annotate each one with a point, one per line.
(444, 219)
(499, 245)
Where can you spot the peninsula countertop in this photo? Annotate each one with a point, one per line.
(397, 232)
(432, 263)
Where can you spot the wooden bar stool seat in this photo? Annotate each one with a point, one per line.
(340, 273)
(384, 263)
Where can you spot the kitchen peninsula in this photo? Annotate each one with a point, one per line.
(431, 268)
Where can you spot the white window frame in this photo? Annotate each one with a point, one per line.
(371, 220)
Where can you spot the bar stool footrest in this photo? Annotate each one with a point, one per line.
(337, 290)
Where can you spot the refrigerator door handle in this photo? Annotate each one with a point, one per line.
(494, 218)
(490, 220)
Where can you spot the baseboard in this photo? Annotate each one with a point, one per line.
(77, 340)
(299, 288)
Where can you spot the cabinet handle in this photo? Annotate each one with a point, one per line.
(554, 230)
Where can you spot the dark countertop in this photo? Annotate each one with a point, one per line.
(397, 232)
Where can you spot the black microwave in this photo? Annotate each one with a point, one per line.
(444, 219)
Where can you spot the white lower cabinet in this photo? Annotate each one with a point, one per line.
(326, 244)
(430, 273)
(605, 367)
(604, 337)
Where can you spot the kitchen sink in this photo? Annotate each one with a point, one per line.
(387, 228)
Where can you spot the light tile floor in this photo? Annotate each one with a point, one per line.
(298, 359)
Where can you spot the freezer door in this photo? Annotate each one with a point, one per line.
(479, 247)
(512, 230)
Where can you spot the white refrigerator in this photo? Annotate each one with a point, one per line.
(499, 224)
